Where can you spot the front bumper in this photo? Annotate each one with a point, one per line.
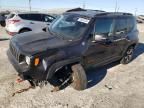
(26, 72)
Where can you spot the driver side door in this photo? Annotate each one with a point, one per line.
(100, 51)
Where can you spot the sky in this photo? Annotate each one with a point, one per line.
(107, 5)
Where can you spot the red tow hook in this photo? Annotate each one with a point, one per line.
(20, 80)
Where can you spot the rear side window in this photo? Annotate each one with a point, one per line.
(104, 26)
(120, 26)
(33, 17)
(131, 23)
(24, 16)
(10, 16)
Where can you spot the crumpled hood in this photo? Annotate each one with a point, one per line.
(32, 43)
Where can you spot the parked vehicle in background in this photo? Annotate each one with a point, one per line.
(140, 19)
(74, 41)
(24, 22)
(2, 20)
(3, 16)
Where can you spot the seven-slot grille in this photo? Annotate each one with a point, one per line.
(16, 53)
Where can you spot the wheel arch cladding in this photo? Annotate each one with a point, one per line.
(25, 28)
(59, 64)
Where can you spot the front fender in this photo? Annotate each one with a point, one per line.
(54, 66)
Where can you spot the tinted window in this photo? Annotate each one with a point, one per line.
(24, 16)
(131, 23)
(10, 16)
(104, 26)
(35, 17)
(47, 18)
(121, 26)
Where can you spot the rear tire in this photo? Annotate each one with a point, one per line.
(24, 30)
(128, 56)
(79, 79)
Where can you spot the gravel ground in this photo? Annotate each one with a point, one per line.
(112, 86)
(3, 34)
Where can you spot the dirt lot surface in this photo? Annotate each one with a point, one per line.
(112, 86)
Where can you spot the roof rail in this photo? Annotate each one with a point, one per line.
(81, 9)
(76, 9)
(127, 14)
(99, 10)
(114, 13)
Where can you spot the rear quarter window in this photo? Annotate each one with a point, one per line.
(10, 16)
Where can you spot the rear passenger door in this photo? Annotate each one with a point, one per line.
(120, 33)
(36, 22)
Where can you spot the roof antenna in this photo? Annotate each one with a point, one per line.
(118, 9)
(116, 6)
(30, 5)
(84, 5)
(0, 3)
(136, 11)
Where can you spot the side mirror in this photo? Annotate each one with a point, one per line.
(45, 29)
(99, 38)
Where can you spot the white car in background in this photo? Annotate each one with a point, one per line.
(23, 22)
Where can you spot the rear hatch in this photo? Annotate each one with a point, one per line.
(12, 19)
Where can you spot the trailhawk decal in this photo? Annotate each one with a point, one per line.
(83, 20)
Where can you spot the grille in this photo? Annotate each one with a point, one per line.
(16, 53)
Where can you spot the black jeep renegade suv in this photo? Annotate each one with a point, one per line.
(74, 41)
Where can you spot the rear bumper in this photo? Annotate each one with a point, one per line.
(11, 33)
(11, 29)
(26, 72)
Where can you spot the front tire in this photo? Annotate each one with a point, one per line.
(79, 79)
(128, 56)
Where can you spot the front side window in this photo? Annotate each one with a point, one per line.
(70, 25)
(121, 26)
(47, 18)
(104, 26)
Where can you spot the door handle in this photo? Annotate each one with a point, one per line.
(31, 22)
(109, 42)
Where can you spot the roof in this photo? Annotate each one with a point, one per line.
(86, 13)
(32, 12)
(93, 13)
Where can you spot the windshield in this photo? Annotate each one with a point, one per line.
(69, 26)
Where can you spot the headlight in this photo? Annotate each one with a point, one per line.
(28, 60)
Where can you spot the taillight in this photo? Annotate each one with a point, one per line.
(13, 21)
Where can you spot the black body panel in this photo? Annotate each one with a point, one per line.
(55, 51)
